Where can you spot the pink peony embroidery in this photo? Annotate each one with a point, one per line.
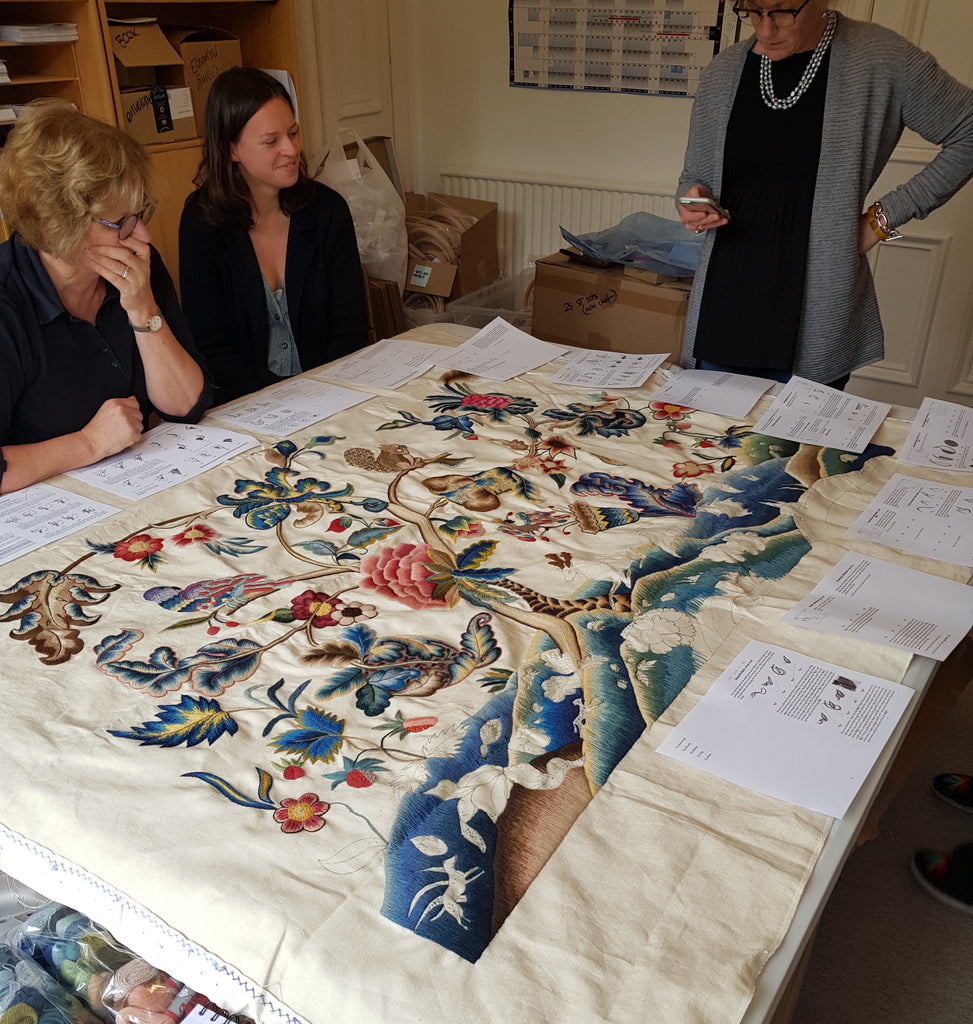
(402, 572)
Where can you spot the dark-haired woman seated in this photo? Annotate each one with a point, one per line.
(92, 339)
(269, 271)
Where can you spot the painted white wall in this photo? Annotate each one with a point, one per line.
(452, 93)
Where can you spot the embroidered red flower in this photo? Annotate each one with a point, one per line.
(486, 402)
(137, 548)
(665, 411)
(320, 608)
(680, 469)
(305, 814)
(195, 534)
(402, 572)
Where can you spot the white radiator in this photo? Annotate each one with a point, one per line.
(530, 213)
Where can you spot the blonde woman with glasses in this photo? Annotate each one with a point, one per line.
(92, 339)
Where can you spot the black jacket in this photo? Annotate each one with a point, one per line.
(223, 295)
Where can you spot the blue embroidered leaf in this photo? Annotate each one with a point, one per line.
(483, 575)
(317, 737)
(362, 538)
(478, 648)
(285, 447)
(210, 670)
(372, 700)
(372, 504)
(321, 548)
(480, 596)
(471, 557)
(234, 546)
(321, 441)
(189, 722)
(101, 549)
(231, 793)
(265, 518)
(343, 681)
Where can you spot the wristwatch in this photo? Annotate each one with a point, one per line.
(154, 324)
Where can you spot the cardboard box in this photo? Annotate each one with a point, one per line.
(204, 52)
(617, 308)
(478, 262)
(152, 111)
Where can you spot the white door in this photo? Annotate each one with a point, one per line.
(924, 281)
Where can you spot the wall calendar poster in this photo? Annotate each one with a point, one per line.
(648, 47)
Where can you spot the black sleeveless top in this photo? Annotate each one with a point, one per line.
(751, 305)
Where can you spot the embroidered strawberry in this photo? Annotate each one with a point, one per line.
(293, 771)
(358, 779)
(418, 724)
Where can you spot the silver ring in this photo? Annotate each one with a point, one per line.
(125, 274)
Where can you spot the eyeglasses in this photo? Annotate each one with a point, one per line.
(126, 225)
(781, 19)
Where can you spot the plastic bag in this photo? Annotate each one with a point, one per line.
(376, 208)
(645, 241)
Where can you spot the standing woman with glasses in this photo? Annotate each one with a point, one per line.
(269, 271)
(790, 130)
(92, 340)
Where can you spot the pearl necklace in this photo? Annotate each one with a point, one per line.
(767, 83)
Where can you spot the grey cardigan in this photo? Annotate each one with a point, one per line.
(878, 84)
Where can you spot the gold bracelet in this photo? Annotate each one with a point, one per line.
(873, 221)
(879, 223)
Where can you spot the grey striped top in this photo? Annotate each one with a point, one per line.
(878, 84)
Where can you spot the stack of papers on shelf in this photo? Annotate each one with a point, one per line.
(7, 115)
(50, 32)
(4, 74)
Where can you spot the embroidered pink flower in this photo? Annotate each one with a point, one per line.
(319, 608)
(137, 548)
(305, 814)
(195, 534)
(665, 411)
(485, 402)
(680, 469)
(402, 572)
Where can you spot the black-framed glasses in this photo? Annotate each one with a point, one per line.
(126, 225)
(781, 18)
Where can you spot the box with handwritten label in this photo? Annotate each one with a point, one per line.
(615, 308)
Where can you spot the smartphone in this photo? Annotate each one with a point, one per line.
(704, 201)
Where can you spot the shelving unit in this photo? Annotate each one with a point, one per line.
(84, 72)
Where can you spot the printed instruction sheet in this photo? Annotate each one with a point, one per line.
(920, 517)
(37, 515)
(791, 727)
(500, 351)
(941, 436)
(591, 368)
(869, 599)
(813, 413)
(387, 364)
(165, 456)
(726, 394)
(289, 406)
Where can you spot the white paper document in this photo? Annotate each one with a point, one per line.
(941, 436)
(165, 456)
(921, 517)
(726, 394)
(289, 406)
(868, 599)
(386, 364)
(791, 727)
(500, 351)
(813, 413)
(588, 368)
(39, 514)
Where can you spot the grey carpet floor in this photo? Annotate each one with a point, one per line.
(885, 951)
